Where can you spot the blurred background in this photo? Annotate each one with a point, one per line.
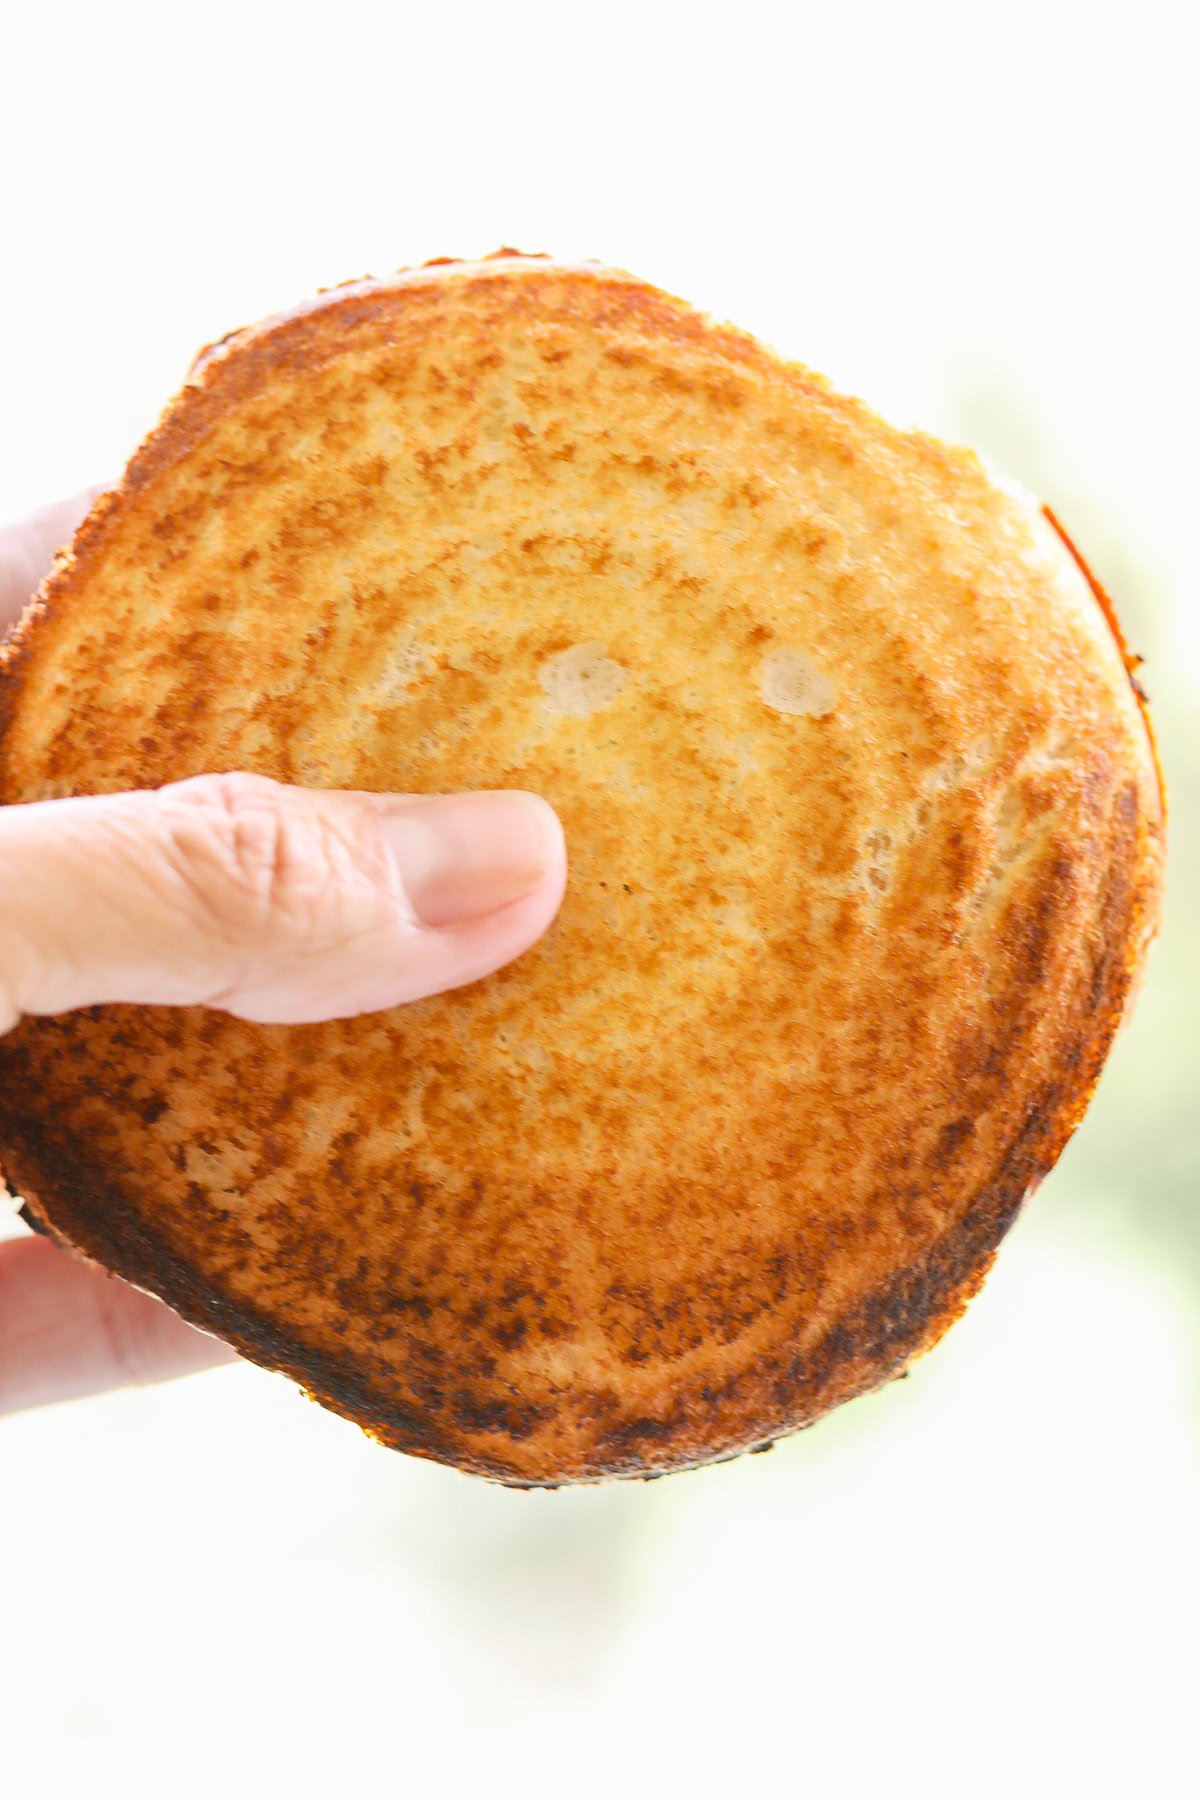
(987, 1577)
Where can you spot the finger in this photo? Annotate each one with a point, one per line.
(27, 549)
(67, 1329)
(273, 903)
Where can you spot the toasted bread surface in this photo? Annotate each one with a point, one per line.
(865, 834)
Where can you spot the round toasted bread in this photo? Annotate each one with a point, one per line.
(865, 833)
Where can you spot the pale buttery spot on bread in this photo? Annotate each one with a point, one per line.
(581, 680)
(790, 682)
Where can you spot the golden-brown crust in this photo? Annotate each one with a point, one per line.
(832, 984)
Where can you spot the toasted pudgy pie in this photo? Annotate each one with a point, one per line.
(865, 832)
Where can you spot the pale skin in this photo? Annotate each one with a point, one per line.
(274, 904)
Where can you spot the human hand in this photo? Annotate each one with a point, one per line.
(272, 903)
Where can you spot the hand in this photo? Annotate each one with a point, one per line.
(272, 903)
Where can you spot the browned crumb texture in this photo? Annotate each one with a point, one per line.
(837, 969)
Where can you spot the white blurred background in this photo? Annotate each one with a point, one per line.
(987, 1578)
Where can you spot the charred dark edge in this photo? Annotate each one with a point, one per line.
(873, 1344)
(887, 1329)
(25, 1212)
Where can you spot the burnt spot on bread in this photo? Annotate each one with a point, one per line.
(498, 1417)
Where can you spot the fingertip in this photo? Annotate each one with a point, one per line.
(551, 887)
(462, 857)
(457, 954)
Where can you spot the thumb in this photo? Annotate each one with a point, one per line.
(273, 903)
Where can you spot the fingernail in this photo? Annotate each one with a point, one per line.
(461, 856)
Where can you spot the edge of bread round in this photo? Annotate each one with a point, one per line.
(729, 1162)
